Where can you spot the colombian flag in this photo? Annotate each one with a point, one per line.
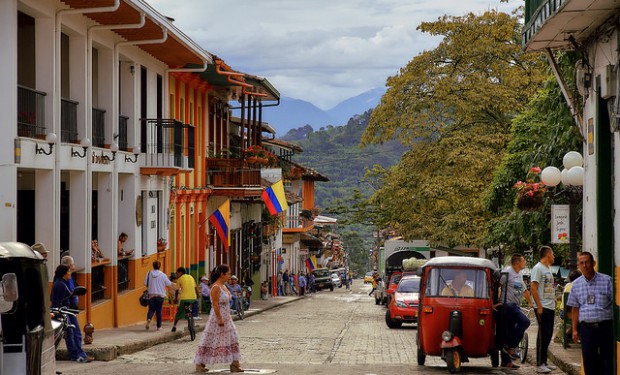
(220, 219)
(309, 264)
(274, 198)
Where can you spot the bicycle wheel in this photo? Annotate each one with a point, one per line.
(240, 311)
(523, 345)
(191, 326)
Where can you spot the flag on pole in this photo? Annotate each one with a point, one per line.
(274, 198)
(309, 264)
(220, 219)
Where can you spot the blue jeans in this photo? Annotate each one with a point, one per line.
(155, 306)
(515, 324)
(195, 308)
(73, 339)
(597, 342)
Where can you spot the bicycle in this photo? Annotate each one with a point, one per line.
(238, 306)
(191, 326)
(525, 341)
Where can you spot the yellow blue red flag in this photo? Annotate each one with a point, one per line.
(275, 199)
(220, 220)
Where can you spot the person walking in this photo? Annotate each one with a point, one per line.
(61, 296)
(543, 293)
(187, 295)
(302, 284)
(375, 281)
(592, 306)
(219, 342)
(285, 279)
(513, 291)
(156, 283)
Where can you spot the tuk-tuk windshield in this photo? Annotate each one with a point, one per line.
(457, 282)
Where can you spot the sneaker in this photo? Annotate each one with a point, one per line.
(510, 352)
(174, 329)
(197, 318)
(543, 369)
(551, 367)
(510, 366)
(82, 360)
(148, 323)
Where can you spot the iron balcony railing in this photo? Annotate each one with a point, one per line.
(122, 132)
(68, 121)
(98, 127)
(30, 112)
(163, 142)
(123, 274)
(544, 8)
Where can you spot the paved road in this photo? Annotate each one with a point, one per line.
(340, 332)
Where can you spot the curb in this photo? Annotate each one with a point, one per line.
(111, 352)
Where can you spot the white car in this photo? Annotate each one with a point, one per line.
(336, 280)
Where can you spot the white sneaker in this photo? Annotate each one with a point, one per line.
(551, 367)
(543, 369)
(197, 318)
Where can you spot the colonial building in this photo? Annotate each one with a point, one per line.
(591, 28)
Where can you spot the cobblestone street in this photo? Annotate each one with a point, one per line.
(341, 332)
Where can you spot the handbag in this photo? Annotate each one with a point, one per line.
(144, 298)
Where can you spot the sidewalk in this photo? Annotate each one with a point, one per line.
(108, 344)
(567, 360)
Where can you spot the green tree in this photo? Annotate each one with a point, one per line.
(453, 106)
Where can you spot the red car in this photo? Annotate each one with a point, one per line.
(391, 285)
(403, 307)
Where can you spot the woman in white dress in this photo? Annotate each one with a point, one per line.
(219, 342)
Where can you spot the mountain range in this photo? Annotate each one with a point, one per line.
(294, 113)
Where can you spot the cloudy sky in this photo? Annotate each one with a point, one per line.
(321, 51)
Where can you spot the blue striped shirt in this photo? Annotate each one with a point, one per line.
(600, 289)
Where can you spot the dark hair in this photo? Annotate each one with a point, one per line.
(574, 275)
(61, 271)
(219, 271)
(588, 254)
(181, 270)
(156, 264)
(123, 234)
(544, 250)
(516, 258)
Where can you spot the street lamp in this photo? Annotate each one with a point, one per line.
(571, 178)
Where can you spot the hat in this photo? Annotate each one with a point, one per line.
(204, 278)
(39, 247)
(233, 277)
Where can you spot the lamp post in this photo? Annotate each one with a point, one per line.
(571, 178)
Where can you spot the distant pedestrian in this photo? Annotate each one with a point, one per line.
(591, 300)
(205, 293)
(280, 284)
(544, 302)
(513, 291)
(219, 342)
(302, 284)
(156, 282)
(375, 281)
(286, 283)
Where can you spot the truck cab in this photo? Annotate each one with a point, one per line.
(322, 279)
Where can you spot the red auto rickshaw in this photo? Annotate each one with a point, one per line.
(456, 319)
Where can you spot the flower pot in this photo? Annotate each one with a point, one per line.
(529, 203)
(161, 248)
(251, 159)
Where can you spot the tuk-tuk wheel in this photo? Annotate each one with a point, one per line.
(421, 357)
(453, 359)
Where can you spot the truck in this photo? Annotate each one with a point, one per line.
(393, 253)
(323, 279)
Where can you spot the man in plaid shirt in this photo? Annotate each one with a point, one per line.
(591, 298)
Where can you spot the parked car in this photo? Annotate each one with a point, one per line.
(368, 278)
(403, 307)
(322, 279)
(336, 280)
(392, 284)
(380, 294)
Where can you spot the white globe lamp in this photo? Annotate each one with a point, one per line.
(572, 159)
(574, 176)
(551, 176)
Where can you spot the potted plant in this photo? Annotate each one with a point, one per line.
(530, 193)
(161, 244)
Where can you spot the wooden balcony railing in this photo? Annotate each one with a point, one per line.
(30, 112)
(231, 173)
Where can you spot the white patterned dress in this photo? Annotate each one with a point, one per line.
(219, 344)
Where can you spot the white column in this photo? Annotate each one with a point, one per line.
(79, 241)
(46, 218)
(8, 108)
(108, 235)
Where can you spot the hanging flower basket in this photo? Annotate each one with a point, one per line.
(530, 203)
(251, 159)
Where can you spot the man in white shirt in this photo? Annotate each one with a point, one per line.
(156, 282)
(543, 293)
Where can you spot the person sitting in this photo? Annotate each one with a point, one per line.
(458, 287)
(96, 255)
(121, 240)
(235, 291)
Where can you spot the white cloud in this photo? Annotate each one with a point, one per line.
(322, 51)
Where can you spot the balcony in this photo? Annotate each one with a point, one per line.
(68, 121)
(231, 173)
(163, 145)
(296, 223)
(30, 113)
(122, 132)
(550, 23)
(98, 127)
